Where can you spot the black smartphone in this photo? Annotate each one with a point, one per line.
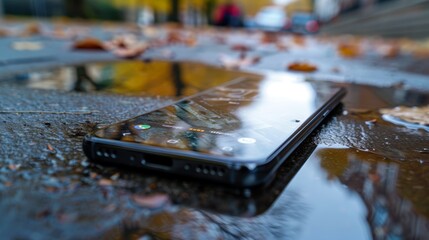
(238, 133)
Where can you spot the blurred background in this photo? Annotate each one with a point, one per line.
(388, 18)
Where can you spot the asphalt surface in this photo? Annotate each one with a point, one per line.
(360, 177)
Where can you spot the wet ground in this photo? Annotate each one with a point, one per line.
(357, 177)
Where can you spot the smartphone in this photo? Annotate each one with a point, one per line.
(238, 133)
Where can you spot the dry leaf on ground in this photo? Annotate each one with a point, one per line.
(302, 67)
(299, 40)
(89, 43)
(269, 37)
(175, 37)
(126, 46)
(347, 50)
(388, 50)
(242, 61)
(27, 46)
(31, 30)
(241, 48)
(415, 115)
(4, 32)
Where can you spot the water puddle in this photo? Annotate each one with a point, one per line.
(149, 78)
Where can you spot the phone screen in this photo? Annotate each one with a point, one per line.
(246, 120)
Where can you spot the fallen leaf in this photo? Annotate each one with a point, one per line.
(63, 32)
(191, 41)
(281, 47)
(126, 46)
(302, 67)
(27, 46)
(4, 32)
(420, 53)
(390, 51)
(242, 61)
(347, 50)
(298, 40)
(174, 37)
(89, 43)
(151, 201)
(415, 115)
(130, 53)
(50, 148)
(269, 37)
(122, 41)
(31, 30)
(240, 48)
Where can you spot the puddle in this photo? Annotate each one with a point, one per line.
(148, 78)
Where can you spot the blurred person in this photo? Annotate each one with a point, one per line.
(228, 15)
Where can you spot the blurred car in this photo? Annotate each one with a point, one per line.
(304, 23)
(272, 18)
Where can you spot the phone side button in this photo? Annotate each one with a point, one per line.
(326, 113)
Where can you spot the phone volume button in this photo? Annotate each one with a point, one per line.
(326, 113)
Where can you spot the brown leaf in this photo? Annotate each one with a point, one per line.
(240, 48)
(242, 61)
(31, 30)
(50, 148)
(4, 32)
(151, 201)
(129, 53)
(348, 50)
(174, 37)
(302, 67)
(299, 40)
(269, 37)
(126, 46)
(89, 43)
(281, 46)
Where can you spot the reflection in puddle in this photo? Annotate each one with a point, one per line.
(394, 194)
(156, 78)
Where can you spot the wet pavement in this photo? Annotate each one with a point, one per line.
(357, 176)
